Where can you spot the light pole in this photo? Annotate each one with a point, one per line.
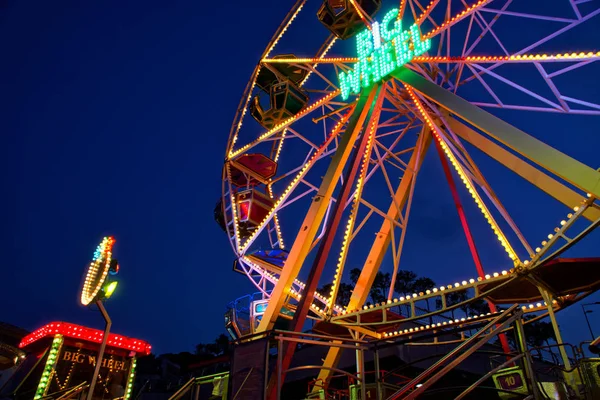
(90, 393)
(585, 313)
(96, 289)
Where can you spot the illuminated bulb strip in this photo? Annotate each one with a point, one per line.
(234, 212)
(68, 378)
(293, 293)
(401, 10)
(244, 109)
(330, 60)
(360, 14)
(433, 292)
(103, 253)
(426, 12)
(448, 23)
(558, 231)
(352, 217)
(49, 367)
(276, 219)
(280, 145)
(314, 158)
(285, 123)
(266, 55)
(456, 321)
(320, 58)
(277, 226)
(519, 58)
(534, 307)
(130, 380)
(467, 182)
(285, 28)
(274, 279)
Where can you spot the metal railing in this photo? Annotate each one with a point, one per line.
(196, 382)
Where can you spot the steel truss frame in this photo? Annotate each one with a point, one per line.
(434, 108)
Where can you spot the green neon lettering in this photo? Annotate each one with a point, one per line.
(391, 15)
(377, 59)
(350, 82)
(419, 45)
(387, 63)
(403, 52)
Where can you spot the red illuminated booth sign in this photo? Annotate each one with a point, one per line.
(62, 357)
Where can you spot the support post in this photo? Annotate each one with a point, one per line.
(316, 212)
(377, 373)
(360, 372)
(279, 361)
(328, 238)
(559, 341)
(530, 375)
(102, 348)
(381, 243)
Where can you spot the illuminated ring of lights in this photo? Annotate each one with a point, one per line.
(97, 271)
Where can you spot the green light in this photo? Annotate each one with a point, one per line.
(130, 380)
(109, 289)
(376, 60)
(49, 367)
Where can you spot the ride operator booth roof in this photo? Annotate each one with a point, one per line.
(61, 356)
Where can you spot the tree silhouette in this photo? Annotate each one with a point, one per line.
(405, 282)
(217, 348)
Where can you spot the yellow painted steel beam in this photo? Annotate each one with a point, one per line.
(381, 243)
(560, 164)
(316, 212)
(546, 183)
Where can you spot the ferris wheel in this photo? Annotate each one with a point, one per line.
(349, 102)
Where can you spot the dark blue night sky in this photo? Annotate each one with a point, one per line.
(114, 121)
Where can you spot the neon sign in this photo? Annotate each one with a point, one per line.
(380, 51)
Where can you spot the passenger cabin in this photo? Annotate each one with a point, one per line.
(341, 18)
(251, 170)
(253, 207)
(281, 81)
(286, 100)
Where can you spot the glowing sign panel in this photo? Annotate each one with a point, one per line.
(380, 51)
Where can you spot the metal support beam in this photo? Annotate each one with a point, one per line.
(316, 212)
(463, 351)
(316, 270)
(542, 181)
(563, 352)
(529, 374)
(578, 174)
(382, 242)
(468, 235)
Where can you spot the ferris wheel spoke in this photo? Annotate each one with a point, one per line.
(426, 11)
(451, 21)
(552, 87)
(528, 16)
(315, 215)
(288, 20)
(480, 180)
(485, 30)
(486, 86)
(518, 87)
(560, 164)
(363, 151)
(547, 38)
(297, 179)
(438, 135)
(284, 124)
(536, 177)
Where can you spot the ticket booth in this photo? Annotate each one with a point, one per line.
(61, 357)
